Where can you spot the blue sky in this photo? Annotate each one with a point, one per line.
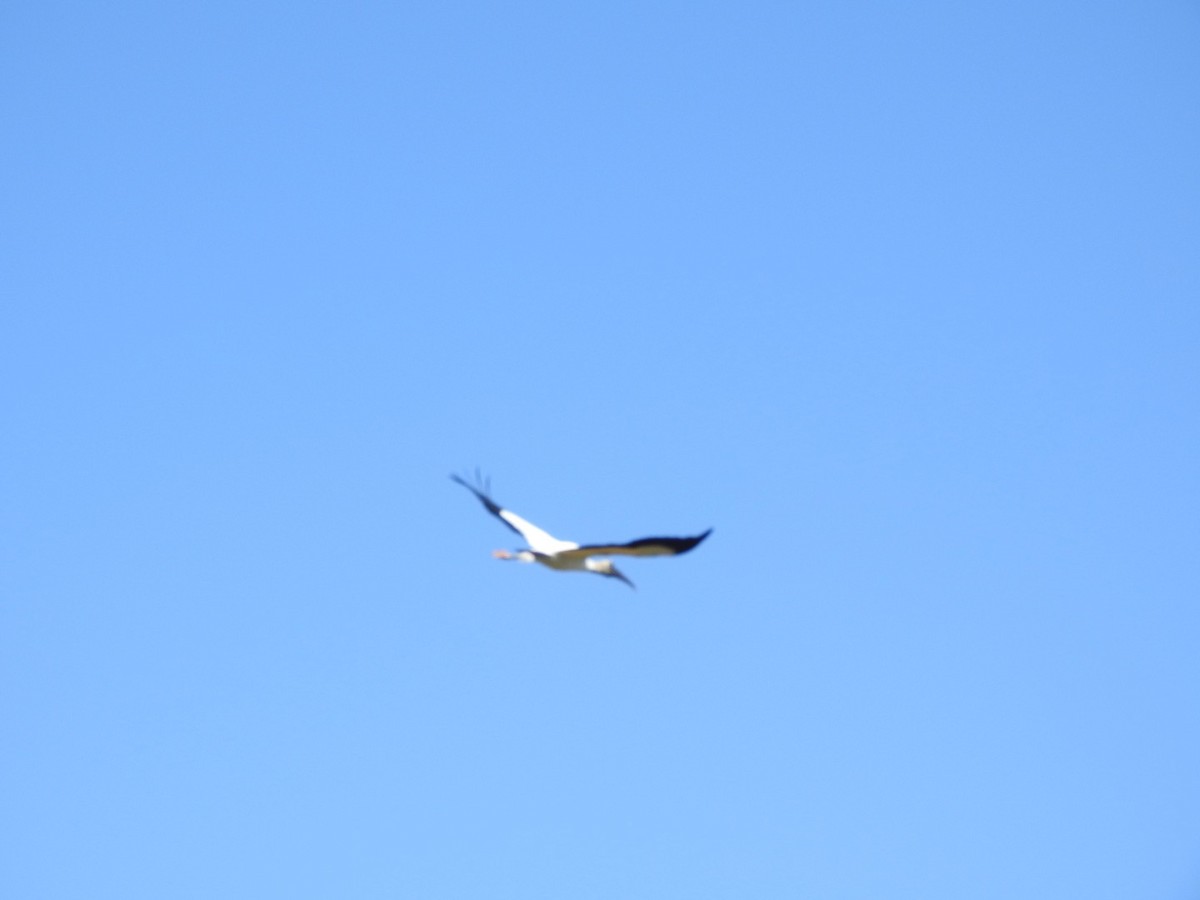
(901, 299)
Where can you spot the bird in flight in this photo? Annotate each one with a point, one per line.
(567, 556)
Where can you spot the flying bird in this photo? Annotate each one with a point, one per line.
(567, 556)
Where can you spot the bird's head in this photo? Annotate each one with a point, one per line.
(608, 570)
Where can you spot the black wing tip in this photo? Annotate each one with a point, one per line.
(458, 479)
(482, 485)
(482, 490)
(686, 544)
(673, 546)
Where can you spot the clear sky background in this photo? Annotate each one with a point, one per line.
(902, 299)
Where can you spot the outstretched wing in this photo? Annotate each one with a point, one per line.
(539, 541)
(652, 546)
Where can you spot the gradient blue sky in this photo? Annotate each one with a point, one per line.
(902, 299)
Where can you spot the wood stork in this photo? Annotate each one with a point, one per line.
(567, 556)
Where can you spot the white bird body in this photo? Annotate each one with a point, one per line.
(568, 556)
